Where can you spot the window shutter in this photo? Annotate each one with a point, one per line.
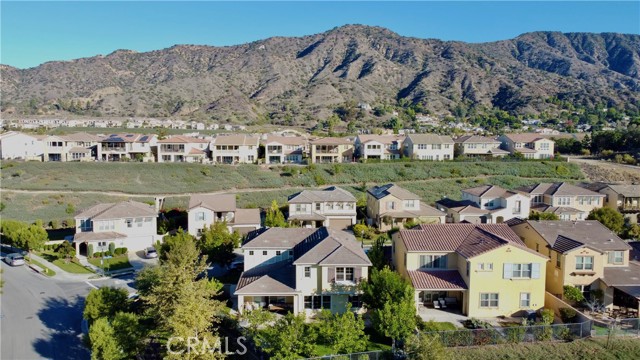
(331, 274)
(611, 257)
(535, 271)
(508, 271)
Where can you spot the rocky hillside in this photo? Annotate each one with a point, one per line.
(306, 77)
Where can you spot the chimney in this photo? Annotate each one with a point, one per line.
(159, 203)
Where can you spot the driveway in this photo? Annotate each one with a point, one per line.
(41, 317)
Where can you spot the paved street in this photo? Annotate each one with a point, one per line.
(40, 317)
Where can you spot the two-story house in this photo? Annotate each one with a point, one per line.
(390, 206)
(478, 146)
(484, 269)
(568, 201)
(234, 149)
(428, 147)
(284, 149)
(179, 148)
(486, 204)
(119, 147)
(301, 270)
(129, 224)
(530, 145)
(17, 145)
(72, 147)
(624, 198)
(331, 150)
(204, 210)
(383, 147)
(331, 207)
(584, 254)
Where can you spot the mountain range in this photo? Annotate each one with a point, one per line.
(306, 78)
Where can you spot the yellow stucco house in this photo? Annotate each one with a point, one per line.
(587, 255)
(484, 269)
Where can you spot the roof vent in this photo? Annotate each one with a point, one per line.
(610, 240)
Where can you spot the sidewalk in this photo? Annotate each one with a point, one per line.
(61, 274)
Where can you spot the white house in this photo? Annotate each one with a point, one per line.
(486, 204)
(530, 145)
(17, 145)
(118, 147)
(384, 147)
(129, 224)
(204, 210)
(72, 147)
(181, 148)
(429, 147)
(234, 149)
(478, 146)
(332, 207)
(284, 149)
(301, 270)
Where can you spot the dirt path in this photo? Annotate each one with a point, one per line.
(609, 172)
(228, 191)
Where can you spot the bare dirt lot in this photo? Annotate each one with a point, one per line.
(606, 171)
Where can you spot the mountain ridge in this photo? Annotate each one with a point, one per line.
(302, 79)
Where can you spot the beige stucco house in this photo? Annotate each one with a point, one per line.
(390, 206)
(568, 201)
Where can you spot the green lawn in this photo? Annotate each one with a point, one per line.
(592, 349)
(47, 271)
(115, 263)
(72, 267)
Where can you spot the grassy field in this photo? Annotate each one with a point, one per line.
(592, 349)
(114, 263)
(69, 267)
(154, 178)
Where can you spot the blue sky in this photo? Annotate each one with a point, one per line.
(36, 32)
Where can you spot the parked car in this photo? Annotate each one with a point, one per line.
(150, 253)
(14, 259)
(237, 265)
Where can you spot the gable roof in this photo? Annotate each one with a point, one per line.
(430, 139)
(557, 189)
(383, 139)
(468, 240)
(626, 190)
(525, 137)
(217, 202)
(437, 280)
(270, 279)
(590, 233)
(82, 137)
(128, 138)
(332, 141)
(382, 191)
(489, 191)
(475, 139)
(332, 193)
(124, 209)
(181, 139)
(276, 238)
(234, 139)
(285, 140)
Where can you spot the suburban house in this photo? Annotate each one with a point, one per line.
(390, 206)
(119, 147)
(486, 204)
(72, 147)
(129, 224)
(180, 148)
(301, 270)
(383, 147)
(624, 198)
(428, 147)
(478, 146)
(284, 149)
(332, 207)
(584, 254)
(568, 201)
(234, 149)
(204, 210)
(17, 145)
(332, 150)
(530, 145)
(483, 269)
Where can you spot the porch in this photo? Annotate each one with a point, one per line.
(280, 304)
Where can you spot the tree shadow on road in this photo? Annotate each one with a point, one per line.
(63, 339)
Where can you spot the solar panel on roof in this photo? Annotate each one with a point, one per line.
(144, 138)
(129, 135)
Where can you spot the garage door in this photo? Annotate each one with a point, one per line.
(339, 224)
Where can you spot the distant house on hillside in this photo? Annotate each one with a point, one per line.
(428, 147)
(478, 146)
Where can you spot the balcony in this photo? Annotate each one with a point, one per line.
(171, 150)
(327, 150)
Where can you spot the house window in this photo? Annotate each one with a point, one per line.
(410, 204)
(329, 206)
(307, 271)
(433, 261)
(86, 225)
(489, 300)
(317, 302)
(558, 261)
(344, 274)
(290, 252)
(537, 247)
(200, 216)
(537, 199)
(436, 146)
(250, 252)
(485, 266)
(350, 206)
(326, 302)
(521, 271)
(250, 158)
(564, 201)
(447, 156)
(317, 206)
(139, 222)
(129, 223)
(308, 302)
(616, 257)
(355, 302)
(468, 268)
(339, 206)
(422, 146)
(264, 253)
(584, 262)
(525, 300)
(278, 252)
(391, 205)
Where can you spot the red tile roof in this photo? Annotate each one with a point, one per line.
(437, 280)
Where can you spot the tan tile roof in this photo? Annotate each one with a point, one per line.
(626, 190)
(437, 280)
(82, 136)
(489, 191)
(380, 192)
(271, 279)
(276, 238)
(97, 236)
(332, 141)
(285, 140)
(217, 202)
(430, 139)
(558, 189)
(121, 210)
(239, 140)
(588, 232)
(622, 276)
(332, 193)
(180, 139)
(195, 151)
(247, 217)
(468, 240)
(383, 139)
(475, 139)
(77, 149)
(524, 137)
